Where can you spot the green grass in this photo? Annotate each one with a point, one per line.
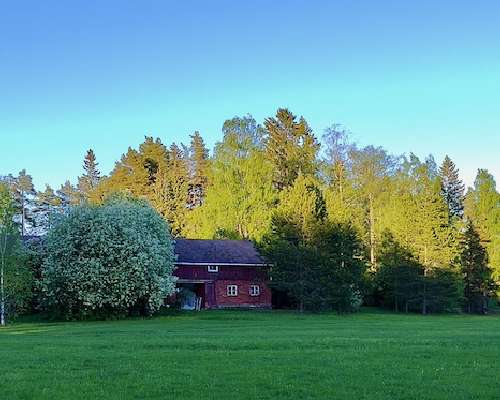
(255, 355)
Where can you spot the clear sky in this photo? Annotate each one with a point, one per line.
(421, 76)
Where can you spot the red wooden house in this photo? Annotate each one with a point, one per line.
(221, 274)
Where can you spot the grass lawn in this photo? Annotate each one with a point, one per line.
(255, 355)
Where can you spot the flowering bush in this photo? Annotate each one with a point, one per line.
(108, 260)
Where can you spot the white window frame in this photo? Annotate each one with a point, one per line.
(254, 290)
(213, 268)
(232, 290)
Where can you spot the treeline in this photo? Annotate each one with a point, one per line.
(342, 223)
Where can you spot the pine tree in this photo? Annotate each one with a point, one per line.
(452, 188)
(291, 147)
(91, 176)
(24, 197)
(199, 165)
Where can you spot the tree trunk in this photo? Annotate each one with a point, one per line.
(2, 283)
(22, 213)
(372, 233)
(2, 295)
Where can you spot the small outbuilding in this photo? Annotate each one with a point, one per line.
(221, 274)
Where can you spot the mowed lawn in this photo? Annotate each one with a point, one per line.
(255, 355)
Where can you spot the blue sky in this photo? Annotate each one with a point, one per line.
(409, 76)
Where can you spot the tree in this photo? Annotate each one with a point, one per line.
(113, 259)
(199, 165)
(68, 195)
(400, 276)
(240, 199)
(7, 230)
(452, 188)
(291, 147)
(91, 176)
(371, 169)
(170, 190)
(15, 280)
(475, 270)
(482, 208)
(24, 196)
(294, 222)
(47, 203)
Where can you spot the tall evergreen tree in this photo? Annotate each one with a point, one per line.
(91, 176)
(199, 168)
(478, 284)
(291, 147)
(24, 197)
(452, 188)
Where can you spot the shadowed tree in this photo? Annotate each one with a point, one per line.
(478, 285)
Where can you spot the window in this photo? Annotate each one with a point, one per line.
(213, 268)
(232, 290)
(254, 290)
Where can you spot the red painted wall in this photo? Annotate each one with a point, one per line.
(243, 299)
(216, 291)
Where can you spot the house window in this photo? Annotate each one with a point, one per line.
(232, 290)
(254, 290)
(213, 268)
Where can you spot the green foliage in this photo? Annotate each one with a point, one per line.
(452, 188)
(199, 167)
(108, 260)
(88, 182)
(291, 147)
(316, 263)
(15, 277)
(482, 207)
(240, 199)
(478, 284)
(156, 174)
(399, 278)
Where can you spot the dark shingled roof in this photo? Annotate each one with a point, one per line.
(217, 252)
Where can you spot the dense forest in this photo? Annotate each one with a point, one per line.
(342, 224)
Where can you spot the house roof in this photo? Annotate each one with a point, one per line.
(217, 252)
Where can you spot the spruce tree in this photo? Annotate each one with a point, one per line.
(91, 175)
(199, 164)
(452, 188)
(291, 147)
(478, 284)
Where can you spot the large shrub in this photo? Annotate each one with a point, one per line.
(108, 260)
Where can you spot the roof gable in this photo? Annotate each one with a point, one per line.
(217, 252)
